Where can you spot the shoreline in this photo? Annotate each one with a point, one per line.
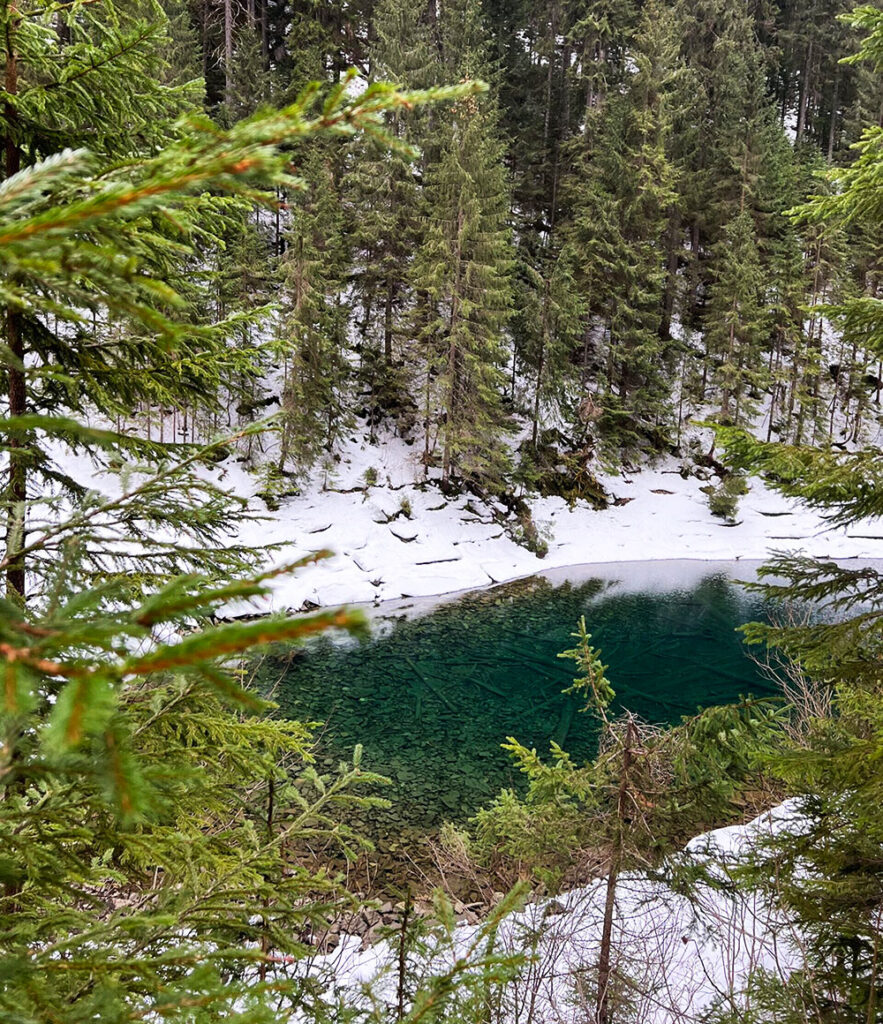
(652, 575)
(401, 539)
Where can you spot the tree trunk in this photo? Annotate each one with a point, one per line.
(562, 134)
(804, 93)
(832, 127)
(205, 42)
(228, 52)
(17, 489)
(387, 324)
(671, 273)
(602, 1006)
(63, 29)
(265, 33)
(453, 355)
(541, 366)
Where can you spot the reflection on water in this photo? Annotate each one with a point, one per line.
(432, 698)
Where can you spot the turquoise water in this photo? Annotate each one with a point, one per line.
(432, 698)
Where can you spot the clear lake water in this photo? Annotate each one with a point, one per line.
(432, 697)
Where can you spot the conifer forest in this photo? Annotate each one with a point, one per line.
(315, 313)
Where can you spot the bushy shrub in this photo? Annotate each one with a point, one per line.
(723, 499)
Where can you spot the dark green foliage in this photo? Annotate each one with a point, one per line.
(461, 272)
(311, 347)
(527, 254)
(548, 470)
(386, 226)
(737, 316)
(151, 802)
(827, 879)
(723, 498)
(622, 195)
(635, 254)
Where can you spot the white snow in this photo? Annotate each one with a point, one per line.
(454, 545)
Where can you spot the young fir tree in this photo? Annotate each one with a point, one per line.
(461, 271)
(252, 86)
(148, 802)
(182, 52)
(737, 319)
(603, 31)
(547, 329)
(647, 791)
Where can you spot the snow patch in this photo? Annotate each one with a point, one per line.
(383, 554)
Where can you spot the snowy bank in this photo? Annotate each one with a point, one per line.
(398, 538)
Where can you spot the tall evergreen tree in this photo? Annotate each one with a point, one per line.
(147, 798)
(384, 198)
(462, 270)
(312, 340)
(737, 319)
(827, 881)
(622, 196)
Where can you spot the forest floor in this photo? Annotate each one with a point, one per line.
(402, 537)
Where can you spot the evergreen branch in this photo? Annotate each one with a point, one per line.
(147, 33)
(848, 486)
(82, 519)
(224, 641)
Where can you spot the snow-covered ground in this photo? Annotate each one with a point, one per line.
(447, 545)
(678, 957)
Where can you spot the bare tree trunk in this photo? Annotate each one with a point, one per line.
(205, 41)
(265, 32)
(605, 971)
(832, 128)
(265, 937)
(671, 273)
(387, 324)
(777, 386)
(228, 52)
(542, 364)
(453, 357)
(562, 130)
(402, 965)
(63, 29)
(804, 93)
(17, 490)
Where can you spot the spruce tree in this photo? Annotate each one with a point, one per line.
(92, 75)
(148, 801)
(312, 339)
(622, 194)
(721, 122)
(462, 271)
(547, 330)
(383, 190)
(737, 319)
(827, 881)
